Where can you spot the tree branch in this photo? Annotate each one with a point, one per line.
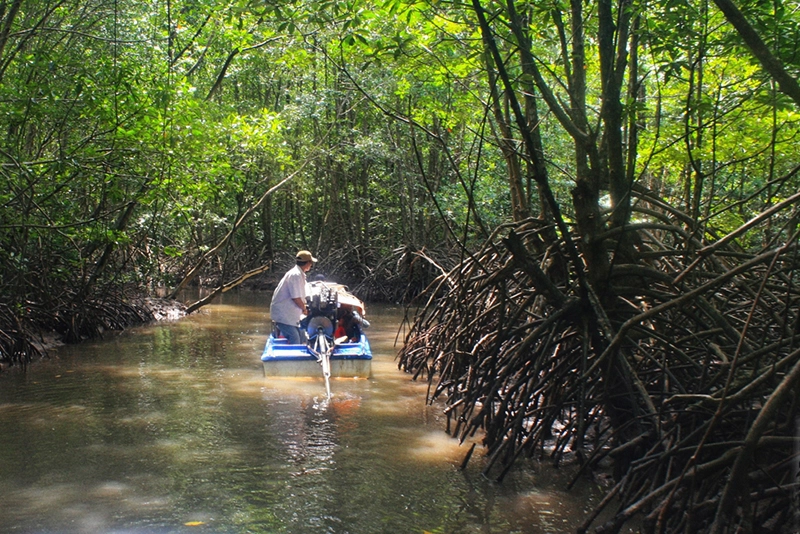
(771, 64)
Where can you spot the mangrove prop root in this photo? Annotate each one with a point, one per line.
(22, 327)
(680, 384)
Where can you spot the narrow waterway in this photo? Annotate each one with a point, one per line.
(173, 428)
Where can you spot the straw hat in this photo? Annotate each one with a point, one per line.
(305, 255)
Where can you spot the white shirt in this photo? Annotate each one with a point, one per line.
(293, 285)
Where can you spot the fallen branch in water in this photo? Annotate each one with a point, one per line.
(226, 287)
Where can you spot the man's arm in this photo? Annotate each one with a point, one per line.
(301, 304)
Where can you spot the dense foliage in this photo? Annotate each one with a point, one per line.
(650, 317)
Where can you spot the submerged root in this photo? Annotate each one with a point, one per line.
(665, 371)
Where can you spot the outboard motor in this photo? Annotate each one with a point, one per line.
(322, 306)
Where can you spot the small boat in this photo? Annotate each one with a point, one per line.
(348, 360)
(328, 352)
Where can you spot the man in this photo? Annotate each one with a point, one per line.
(289, 299)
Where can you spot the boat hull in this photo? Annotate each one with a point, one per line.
(349, 360)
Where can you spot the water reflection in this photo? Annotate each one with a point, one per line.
(173, 428)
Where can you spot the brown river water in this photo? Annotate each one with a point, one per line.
(172, 427)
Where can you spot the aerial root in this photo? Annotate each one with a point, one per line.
(669, 389)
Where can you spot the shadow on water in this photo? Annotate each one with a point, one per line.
(173, 428)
